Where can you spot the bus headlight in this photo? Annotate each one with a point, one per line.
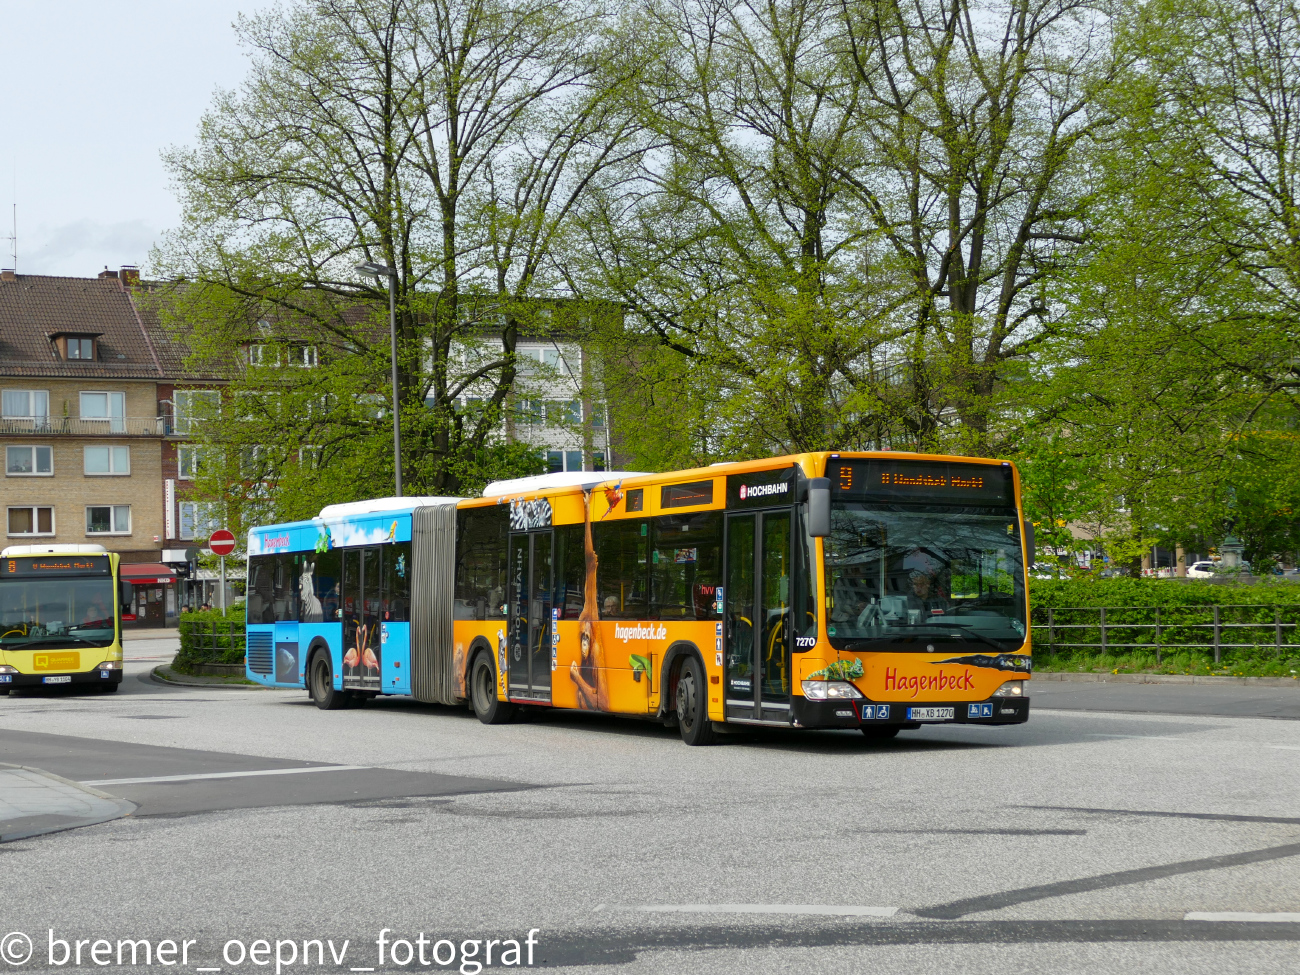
(110, 665)
(829, 690)
(6, 669)
(1012, 688)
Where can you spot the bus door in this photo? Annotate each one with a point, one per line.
(529, 639)
(757, 613)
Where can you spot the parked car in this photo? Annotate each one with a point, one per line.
(1202, 570)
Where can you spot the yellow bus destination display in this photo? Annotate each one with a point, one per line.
(55, 565)
(910, 480)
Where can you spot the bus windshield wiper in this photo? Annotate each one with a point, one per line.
(969, 631)
(49, 641)
(962, 633)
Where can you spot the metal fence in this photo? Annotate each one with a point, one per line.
(201, 638)
(1169, 628)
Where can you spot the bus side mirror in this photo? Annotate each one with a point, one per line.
(819, 507)
(1029, 542)
(124, 593)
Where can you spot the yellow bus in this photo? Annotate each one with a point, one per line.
(878, 591)
(60, 617)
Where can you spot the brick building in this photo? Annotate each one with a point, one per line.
(87, 387)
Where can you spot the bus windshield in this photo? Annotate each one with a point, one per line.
(56, 612)
(928, 579)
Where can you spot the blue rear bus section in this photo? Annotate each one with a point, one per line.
(292, 617)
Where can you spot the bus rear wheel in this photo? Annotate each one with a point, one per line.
(483, 693)
(692, 705)
(321, 684)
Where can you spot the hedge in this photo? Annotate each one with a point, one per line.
(200, 646)
(1058, 593)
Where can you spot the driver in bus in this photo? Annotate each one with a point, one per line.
(929, 595)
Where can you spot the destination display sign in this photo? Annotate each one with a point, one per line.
(55, 565)
(883, 479)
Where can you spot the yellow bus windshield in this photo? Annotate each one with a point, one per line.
(65, 612)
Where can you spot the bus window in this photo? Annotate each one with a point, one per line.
(371, 580)
(621, 569)
(397, 582)
(480, 592)
(570, 570)
(284, 585)
(321, 572)
(805, 602)
(685, 566)
(260, 601)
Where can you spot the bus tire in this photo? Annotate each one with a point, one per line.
(693, 705)
(320, 683)
(483, 693)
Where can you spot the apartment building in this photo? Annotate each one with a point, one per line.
(86, 387)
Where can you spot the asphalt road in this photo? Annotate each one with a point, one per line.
(1088, 840)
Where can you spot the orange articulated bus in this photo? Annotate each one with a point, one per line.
(877, 591)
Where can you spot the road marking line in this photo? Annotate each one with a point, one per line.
(227, 775)
(1154, 737)
(207, 969)
(1238, 916)
(1289, 748)
(834, 909)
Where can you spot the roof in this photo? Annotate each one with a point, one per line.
(132, 344)
(549, 482)
(382, 506)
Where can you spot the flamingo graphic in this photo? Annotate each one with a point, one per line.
(351, 658)
(368, 658)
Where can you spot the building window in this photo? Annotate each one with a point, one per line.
(193, 406)
(198, 520)
(262, 355)
(558, 461)
(597, 416)
(108, 519)
(30, 404)
(80, 348)
(302, 356)
(568, 413)
(187, 463)
(108, 460)
(532, 412)
(29, 461)
(108, 407)
(33, 520)
(598, 460)
(250, 462)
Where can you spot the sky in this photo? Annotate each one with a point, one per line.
(91, 94)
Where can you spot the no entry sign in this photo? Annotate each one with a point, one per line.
(222, 542)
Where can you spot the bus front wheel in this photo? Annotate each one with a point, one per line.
(693, 705)
(323, 694)
(483, 693)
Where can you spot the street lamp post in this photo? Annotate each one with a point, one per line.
(384, 271)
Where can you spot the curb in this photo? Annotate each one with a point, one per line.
(29, 826)
(1167, 679)
(179, 680)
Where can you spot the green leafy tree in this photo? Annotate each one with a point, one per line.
(450, 141)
